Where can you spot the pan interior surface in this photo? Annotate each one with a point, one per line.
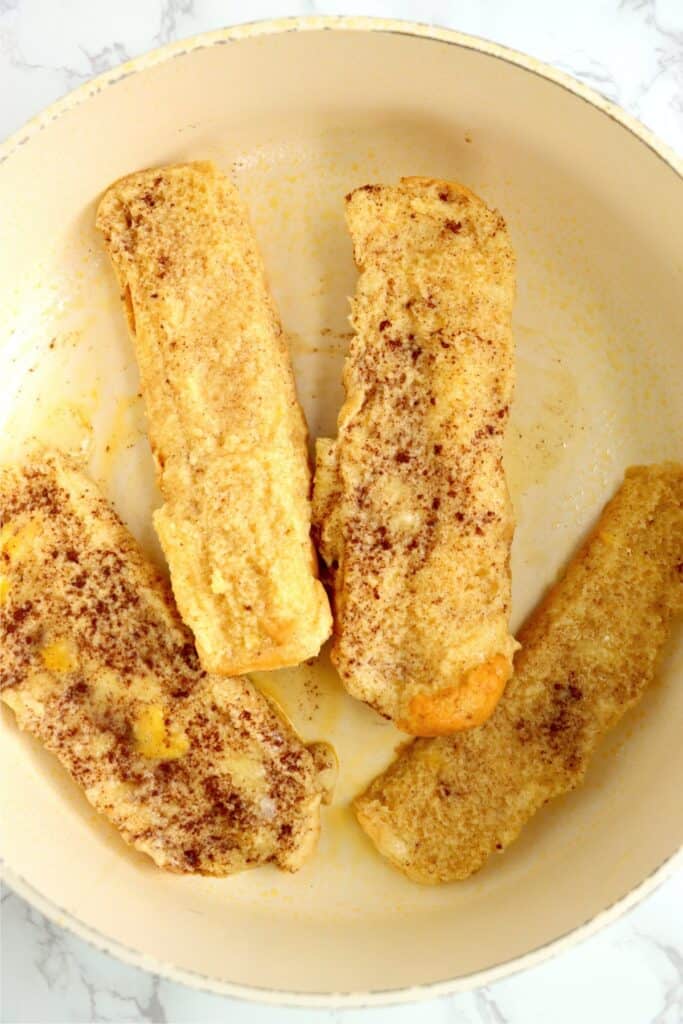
(299, 119)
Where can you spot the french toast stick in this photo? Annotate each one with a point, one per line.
(588, 653)
(197, 771)
(226, 430)
(411, 506)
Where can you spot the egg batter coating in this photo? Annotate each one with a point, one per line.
(197, 771)
(226, 429)
(588, 654)
(410, 502)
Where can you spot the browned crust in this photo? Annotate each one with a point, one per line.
(410, 502)
(588, 653)
(196, 771)
(226, 429)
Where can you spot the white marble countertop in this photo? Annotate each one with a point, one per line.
(632, 51)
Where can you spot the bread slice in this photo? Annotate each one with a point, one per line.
(588, 654)
(227, 433)
(197, 771)
(410, 502)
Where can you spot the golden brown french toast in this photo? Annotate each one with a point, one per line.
(197, 771)
(588, 654)
(227, 433)
(410, 502)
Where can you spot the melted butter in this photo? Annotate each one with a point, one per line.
(311, 696)
(314, 700)
(14, 541)
(67, 426)
(300, 346)
(154, 740)
(343, 842)
(127, 426)
(340, 833)
(543, 420)
(58, 657)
